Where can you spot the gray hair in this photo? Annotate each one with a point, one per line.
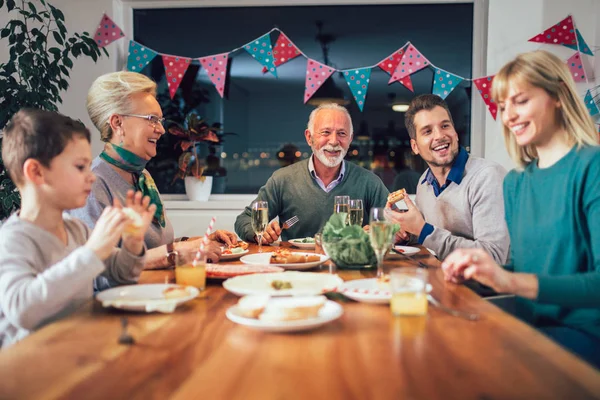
(328, 106)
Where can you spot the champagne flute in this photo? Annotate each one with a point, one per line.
(380, 232)
(356, 212)
(260, 220)
(341, 204)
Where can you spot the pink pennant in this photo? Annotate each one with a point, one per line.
(411, 62)
(175, 68)
(484, 85)
(576, 67)
(216, 68)
(561, 33)
(316, 75)
(283, 51)
(107, 32)
(390, 63)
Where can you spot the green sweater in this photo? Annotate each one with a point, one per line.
(292, 191)
(553, 217)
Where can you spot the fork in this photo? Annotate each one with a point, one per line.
(421, 264)
(290, 222)
(451, 311)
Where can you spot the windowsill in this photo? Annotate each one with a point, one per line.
(215, 202)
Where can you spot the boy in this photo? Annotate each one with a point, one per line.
(48, 261)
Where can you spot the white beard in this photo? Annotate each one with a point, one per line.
(329, 161)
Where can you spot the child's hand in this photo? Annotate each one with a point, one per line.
(134, 243)
(107, 232)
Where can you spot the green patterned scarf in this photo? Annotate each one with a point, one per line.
(130, 162)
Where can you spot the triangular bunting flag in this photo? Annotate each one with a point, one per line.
(444, 82)
(216, 68)
(262, 51)
(583, 47)
(316, 75)
(561, 33)
(139, 56)
(576, 68)
(390, 63)
(284, 51)
(591, 104)
(406, 82)
(175, 68)
(485, 86)
(107, 32)
(358, 81)
(411, 62)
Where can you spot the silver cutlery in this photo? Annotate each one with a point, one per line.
(451, 311)
(290, 222)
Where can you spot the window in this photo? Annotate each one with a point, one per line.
(267, 114)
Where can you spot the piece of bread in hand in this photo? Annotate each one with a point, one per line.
(396, 196)
(292, 308)
(252, 306)
(134, 227)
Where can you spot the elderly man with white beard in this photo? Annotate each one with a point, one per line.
(307, 189)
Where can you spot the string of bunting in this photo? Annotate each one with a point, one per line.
(400, 65)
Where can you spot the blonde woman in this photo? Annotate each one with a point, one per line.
(123, 106)
(552, 205)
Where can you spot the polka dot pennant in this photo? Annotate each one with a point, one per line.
(284, 51)
(216, 68)
(484, 85)
(358, 81)
(107, 32)
(444, 82)
(316, 75)
(591, 104)
(175, 68)
(139, 56)
(411, 62)
(390, 63)
(262, 51)
(561, 33)
(583, 47)
(576, 67)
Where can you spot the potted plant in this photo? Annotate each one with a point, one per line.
(41, 56)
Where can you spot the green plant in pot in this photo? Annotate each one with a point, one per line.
(41, 55)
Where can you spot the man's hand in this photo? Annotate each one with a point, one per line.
(410, 221)
(398, 237)
(272, 233)
(223, 236)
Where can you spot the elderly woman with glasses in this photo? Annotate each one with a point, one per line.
(123, 106)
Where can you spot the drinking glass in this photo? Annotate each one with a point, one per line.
(341, 204)
(409, 291)
(319, 243)
(189, 269)
(380, 232)
(260, 220)
(356, 212)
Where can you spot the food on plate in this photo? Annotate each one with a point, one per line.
(252, 306)
(292, 308)
(134, 226)
(396, 196)
(240, 244)
(216, 271)
(235, 250)
(279, 285)
(285, 256)
(176, 292)
(306, 240)
(383, 282)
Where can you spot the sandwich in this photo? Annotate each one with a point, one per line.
(396, 196)
(134, 227)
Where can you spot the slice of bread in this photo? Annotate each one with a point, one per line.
(252, 306)
(292, 308)
(396, 196)
(135, 222)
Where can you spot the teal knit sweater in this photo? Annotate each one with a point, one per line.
(292, 191)
(553, 217)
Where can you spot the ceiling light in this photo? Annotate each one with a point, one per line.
(400, 107)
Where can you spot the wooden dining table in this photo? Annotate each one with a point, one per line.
(196, 352)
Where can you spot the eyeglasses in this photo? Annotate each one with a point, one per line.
(153, 119)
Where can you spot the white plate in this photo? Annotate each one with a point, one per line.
(147, 298)
(226, 257)
(303, 283)
(368, 291)
(329, 312)
(408, 250)
(298, 243)
(264, 259)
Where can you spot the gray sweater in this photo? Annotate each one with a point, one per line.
(292, 191)
(467, 215)
(108, 186)
(42, 280)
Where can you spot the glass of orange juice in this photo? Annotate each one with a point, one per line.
(190, 270)
(409, 295)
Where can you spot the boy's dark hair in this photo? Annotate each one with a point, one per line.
(423, 102)
(38, 134)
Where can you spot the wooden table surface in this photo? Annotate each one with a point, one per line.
(196, 352)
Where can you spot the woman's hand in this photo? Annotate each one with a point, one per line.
(212, 250)
(223, 236)
(464, 264)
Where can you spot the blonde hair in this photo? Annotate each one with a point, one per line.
(328, 106)
(546, 71)
(110, 94)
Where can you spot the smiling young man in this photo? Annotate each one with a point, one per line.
(307, 188)
(459, 201)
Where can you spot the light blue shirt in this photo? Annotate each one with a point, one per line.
(334, 183)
